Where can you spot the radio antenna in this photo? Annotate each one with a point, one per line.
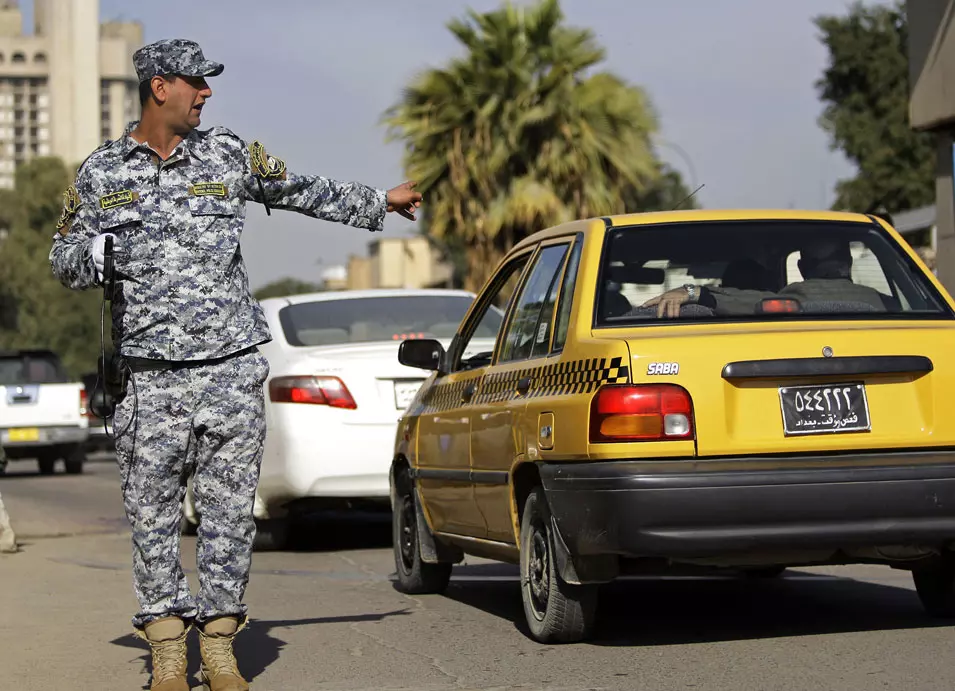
(688, 198)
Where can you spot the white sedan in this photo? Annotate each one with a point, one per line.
(335, 392)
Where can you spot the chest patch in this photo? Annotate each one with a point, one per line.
(208, 189)
(114, 199)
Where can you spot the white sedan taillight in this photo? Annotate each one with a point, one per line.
(330, 391)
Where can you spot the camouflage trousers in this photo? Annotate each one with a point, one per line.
(205, 418)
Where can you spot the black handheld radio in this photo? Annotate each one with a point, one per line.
(112, 370)
(108, 268)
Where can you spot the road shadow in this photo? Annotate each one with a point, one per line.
(337, 531)
(256, 648)
(657, 611)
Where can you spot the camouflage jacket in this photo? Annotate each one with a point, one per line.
(182, 289)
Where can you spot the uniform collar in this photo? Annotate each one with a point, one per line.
(189, 146)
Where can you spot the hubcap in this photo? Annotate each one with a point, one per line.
(407, 533)
(538, 572)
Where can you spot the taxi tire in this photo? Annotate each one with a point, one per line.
(935, 585)
(570, 611)
(415, 576)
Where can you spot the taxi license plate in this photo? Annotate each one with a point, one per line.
(22, 434)
(405, 392)
(824, 409)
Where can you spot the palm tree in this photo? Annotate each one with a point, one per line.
(518, 134)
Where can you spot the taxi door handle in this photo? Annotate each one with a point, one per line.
(523, 385)
(468, 393)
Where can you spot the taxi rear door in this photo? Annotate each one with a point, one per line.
(522, 358)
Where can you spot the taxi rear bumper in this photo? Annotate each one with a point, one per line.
(615, 508)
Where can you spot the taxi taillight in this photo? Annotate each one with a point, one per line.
(330, 391)
(642, 412)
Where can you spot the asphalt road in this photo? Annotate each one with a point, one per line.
(326, 616)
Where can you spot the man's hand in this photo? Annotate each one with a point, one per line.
(404, 199)
(99, 252)
(669, 303)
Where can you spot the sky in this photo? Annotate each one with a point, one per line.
(732, 82)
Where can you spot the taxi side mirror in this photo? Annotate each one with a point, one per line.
(425, 353)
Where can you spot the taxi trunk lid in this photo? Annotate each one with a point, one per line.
(844, 387)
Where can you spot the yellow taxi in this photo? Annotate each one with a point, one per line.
(750, 390)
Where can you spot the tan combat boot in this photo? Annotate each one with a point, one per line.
(219, 670)
(167, 640)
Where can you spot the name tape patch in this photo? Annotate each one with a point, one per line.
(208, 189)
(114, 199)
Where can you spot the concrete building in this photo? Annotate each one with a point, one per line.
(409, 262)
(68, 86)
(931, 25)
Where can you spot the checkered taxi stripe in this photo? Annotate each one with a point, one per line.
(557, 379)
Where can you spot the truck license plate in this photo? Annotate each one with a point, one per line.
(21, 434)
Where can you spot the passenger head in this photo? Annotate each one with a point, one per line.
(822, 258)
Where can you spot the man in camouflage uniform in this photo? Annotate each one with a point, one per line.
(173, 198)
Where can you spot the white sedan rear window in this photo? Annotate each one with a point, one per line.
(365, 320)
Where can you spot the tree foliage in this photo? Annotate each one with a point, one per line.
(286, 286)
(521, 133)
(866, 91)
(36, 311)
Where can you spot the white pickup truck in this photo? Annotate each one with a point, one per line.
(42, 413)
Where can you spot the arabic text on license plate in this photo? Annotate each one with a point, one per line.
(405, 393)
(824, 409)
(19, 434)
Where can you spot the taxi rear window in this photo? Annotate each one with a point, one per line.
(760, 270)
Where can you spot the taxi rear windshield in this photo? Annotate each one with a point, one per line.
(760, 270)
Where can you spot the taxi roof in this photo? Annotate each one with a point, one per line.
(599, 224)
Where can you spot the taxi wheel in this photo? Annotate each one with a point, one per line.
(935, 585)
(415, 577)
(556, 611)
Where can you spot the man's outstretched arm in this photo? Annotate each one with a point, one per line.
(268, 182)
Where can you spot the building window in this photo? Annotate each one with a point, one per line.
(19, 57)
(40, 58)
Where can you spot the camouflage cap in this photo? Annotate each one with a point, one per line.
(174, 56)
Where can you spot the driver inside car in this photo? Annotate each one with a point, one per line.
(826, 268)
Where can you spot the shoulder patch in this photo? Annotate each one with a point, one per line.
(264, 165)
(71, 204)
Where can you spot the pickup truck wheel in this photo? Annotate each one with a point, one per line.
(74, 460)
(46, 465)
(415, 576)
(556, 611)
(935, 585)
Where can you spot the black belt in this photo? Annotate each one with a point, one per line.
(142, 364)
